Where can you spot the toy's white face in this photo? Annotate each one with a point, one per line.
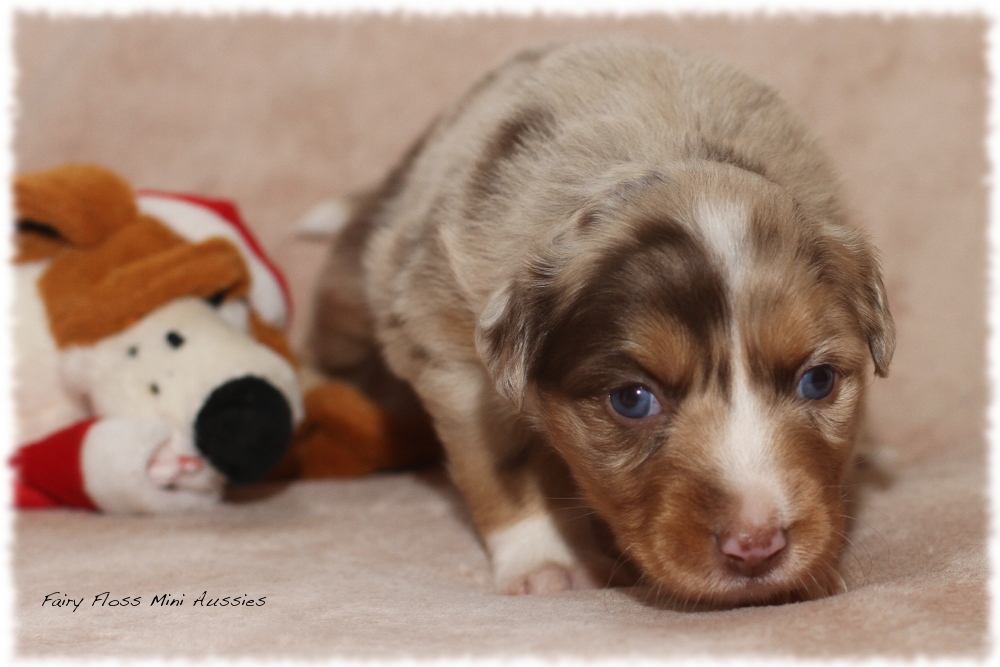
(170, 364)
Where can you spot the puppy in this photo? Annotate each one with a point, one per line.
(619, 276)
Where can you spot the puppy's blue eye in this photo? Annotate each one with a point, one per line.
(817, 383)
(634, 402)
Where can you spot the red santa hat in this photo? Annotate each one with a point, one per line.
(198, 218)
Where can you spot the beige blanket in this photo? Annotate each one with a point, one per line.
(281, 113)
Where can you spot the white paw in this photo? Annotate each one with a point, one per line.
(141, 465)
(554, 578)
(533, 556)
(176, 465)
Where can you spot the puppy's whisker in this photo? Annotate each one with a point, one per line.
(861, 569)
(843, 582)
(618, 563)
(867, 525)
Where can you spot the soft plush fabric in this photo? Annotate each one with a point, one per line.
(278, 114)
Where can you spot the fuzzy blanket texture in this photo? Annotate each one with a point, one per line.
(280, 113)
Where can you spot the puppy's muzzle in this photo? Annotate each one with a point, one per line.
(244, 428)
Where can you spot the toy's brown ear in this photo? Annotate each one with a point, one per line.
(74, 205)
(92, 293)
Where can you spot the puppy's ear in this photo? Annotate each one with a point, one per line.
(502, 342)
(876, 319)
(861, 277)
(509, 336)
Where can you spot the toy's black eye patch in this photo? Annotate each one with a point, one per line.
(40, 228)
(216, 299)
(154, 389)
(133, 351)
(174, 339)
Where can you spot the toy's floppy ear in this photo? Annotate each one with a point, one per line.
(74, 205)
(91, 294)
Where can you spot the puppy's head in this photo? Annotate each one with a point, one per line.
(696, 344)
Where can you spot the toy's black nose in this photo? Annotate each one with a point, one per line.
(244, 428)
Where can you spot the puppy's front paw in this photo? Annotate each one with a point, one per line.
(555, 578)
(533, 556)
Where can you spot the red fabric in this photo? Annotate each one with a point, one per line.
(49, 472)
(228, 211)
(27, 498)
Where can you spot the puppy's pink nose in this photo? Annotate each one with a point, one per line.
(752, 552)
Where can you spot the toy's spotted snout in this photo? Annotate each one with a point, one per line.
(244, 428)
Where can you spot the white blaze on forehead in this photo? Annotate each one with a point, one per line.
(723, 226)
(746, 451)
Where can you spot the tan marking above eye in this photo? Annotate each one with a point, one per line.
(664, 347)
(786, 331)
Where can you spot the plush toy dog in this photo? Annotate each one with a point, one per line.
(152, 363)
